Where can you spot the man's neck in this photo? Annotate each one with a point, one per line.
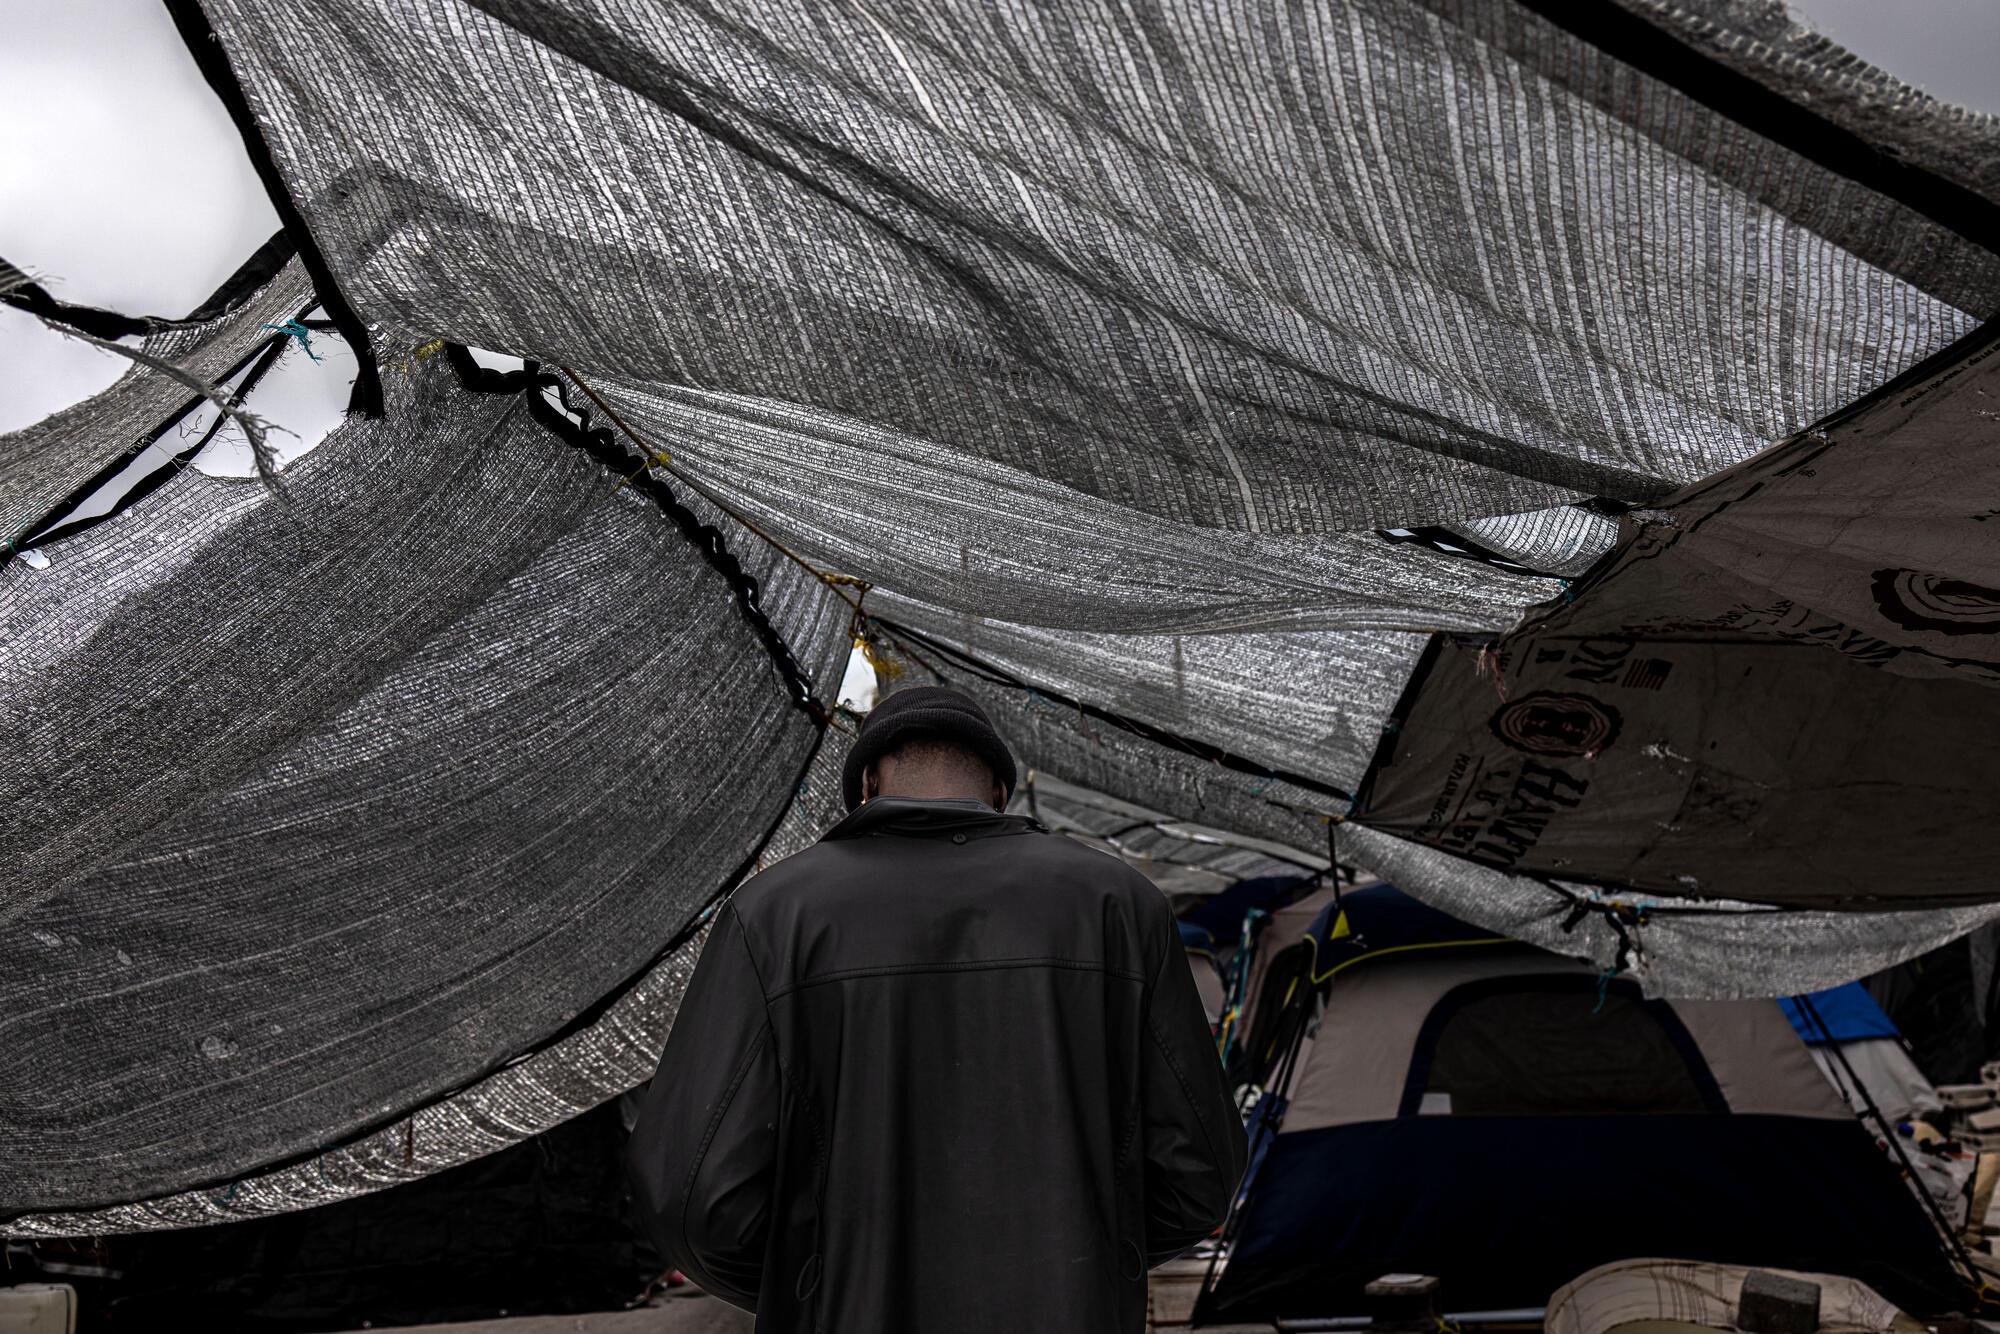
(937, 792)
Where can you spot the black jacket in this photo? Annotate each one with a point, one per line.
(942, 1073)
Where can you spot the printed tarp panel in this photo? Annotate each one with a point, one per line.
(1780, 691)
(1876, 534)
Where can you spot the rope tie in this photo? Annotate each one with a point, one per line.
(1623, 918)
(1603, 988)
(298, 331)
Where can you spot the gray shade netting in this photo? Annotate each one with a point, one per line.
(1305, 702)
(44, 464)
(1344, 265)
(1761, 39)
(967, 532)
(324, 804)
(1179, 856)
(1564, 541)
(617, 1050)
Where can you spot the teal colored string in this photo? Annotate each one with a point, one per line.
(298, 331)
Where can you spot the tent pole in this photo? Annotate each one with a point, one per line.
(1234, 1222)
(1953, 1242)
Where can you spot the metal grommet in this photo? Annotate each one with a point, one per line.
(808, 1278)
(958, 838)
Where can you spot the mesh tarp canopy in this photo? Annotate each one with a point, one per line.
(1716, 949)
(1182, 858)
(1170, 376)
(615, 1051)
(333, 801)
(1348, 265)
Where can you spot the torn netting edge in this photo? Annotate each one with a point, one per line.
(17, 289)
(47, 468)
(1766, 43)
(393, 520)
(366, 397)
(1687, 950)
(547, 397)
(1280, 322)
(617, 1051)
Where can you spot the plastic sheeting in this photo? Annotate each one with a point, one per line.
(1780, 689)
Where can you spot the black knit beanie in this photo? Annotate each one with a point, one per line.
(936, 711)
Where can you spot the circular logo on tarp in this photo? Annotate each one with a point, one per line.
(1548, 722)
(1919, 601)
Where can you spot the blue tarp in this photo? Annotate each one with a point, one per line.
(1848, 1014)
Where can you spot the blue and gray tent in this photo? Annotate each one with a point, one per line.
(1458, 1104)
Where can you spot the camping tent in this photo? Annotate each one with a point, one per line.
(1504, 1118)
(1862, 1053)
(1858, 1049)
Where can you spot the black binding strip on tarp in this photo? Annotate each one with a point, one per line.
(1653, 51)
(252, 274)
(50, 527)
(1200, 750)
(209, 56)
(572, 426)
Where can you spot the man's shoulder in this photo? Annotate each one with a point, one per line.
(1096, 865)
(784, 877)
(1037, 853)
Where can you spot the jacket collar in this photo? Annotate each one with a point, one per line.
(931, 817)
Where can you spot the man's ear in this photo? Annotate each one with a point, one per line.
(871, 784)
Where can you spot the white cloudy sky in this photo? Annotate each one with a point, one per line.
(123, 184)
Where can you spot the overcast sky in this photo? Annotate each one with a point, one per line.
(124, 185)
